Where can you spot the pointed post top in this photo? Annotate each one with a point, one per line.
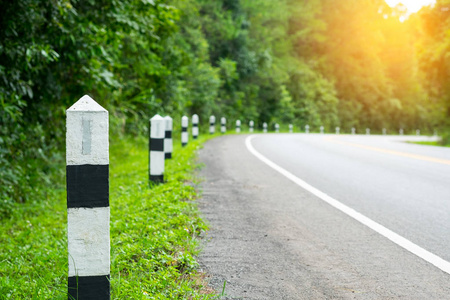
(86, 103)
(169, 123)
(184, 121)
(157, 127)
(87, 133)
(157, 118)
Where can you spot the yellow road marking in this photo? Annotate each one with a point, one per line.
(398, 153)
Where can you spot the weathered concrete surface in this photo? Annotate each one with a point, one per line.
(270, 239)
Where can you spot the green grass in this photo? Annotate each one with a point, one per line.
(154, 233)
(430, 144)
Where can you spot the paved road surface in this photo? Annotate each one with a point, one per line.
(271, 239)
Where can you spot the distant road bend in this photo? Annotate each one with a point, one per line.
(309, 216)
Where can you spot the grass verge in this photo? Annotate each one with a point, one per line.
(439, 144)
(154, 230)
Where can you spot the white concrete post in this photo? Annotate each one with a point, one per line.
(384, 131)
(400, 131)
(291, 128)
(184, 130)
(277, 127)
(321, 129)
(307, 129)
(337, 130)
(212, 125)
(435, 133)
(157, 134)
(265, 127)
(418, 132)
(367, 131)
(353, 130)
(223, 125)
(88, 213)
(238, 126)
(168, 142)
(195, 126)
(251, 124)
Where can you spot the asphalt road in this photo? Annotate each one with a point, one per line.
(273, 239)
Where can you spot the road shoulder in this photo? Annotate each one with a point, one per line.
(270, 239)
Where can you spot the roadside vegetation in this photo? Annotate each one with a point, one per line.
(300, 62)
(154, 232)
(433, 143)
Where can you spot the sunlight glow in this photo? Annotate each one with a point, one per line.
(412, 6)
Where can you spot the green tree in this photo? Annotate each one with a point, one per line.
(434, 59)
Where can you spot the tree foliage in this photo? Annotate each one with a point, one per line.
(318, 62)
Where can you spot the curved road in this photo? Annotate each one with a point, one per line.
(272, 239)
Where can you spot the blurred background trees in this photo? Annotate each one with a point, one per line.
(318, 62)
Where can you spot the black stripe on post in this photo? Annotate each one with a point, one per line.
(184, 129)
(89, 287)
(167, 155)
(156, 144)
(168, 134)
(157, 178)
(194, 125)
(87, 186)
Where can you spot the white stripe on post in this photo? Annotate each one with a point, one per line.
(307, 129)
(184, 131)
(353, 130)
(367, 131)
(337, 130)
(223, 125)
(418, 132)
(212, 125)
(277, 127)
(88, 213)
(238, 126)
(250, 125)
(264, 127)
(384, 131)
(195, 126)
(168, 142)
(291, 128)
(321, 129)
(157, 134)
(400, 131)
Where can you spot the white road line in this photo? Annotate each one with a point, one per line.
(394, 237)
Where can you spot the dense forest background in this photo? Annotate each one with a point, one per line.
(318, 62)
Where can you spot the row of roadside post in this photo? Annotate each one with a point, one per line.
(87, 176)
(161, 143)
